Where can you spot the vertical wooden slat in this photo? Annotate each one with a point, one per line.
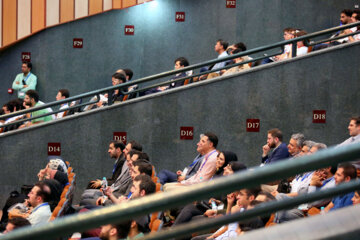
(107, 5)
(95, 6)
(52, 12)
(23, 18)
(1, 28)
(128, 3)
(117, 4)
(66, 10)
(38, 15)
(9, 21)
(81, 8)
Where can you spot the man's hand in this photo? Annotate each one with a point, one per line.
(231, 198)
(17, 82)
(317, 179)
(274, 193)
(25, 86)
(108, 191)
(100, 201)
(180, 178)
(96, 184)
(210, 213)
(266, 150)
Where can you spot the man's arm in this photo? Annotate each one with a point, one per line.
(279, 154)
(17, 84)
(329, 206)
(30, 83)
(206, 172)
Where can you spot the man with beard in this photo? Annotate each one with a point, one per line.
(32, 100)
(274, 141)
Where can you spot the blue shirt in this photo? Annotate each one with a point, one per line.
(342, 201)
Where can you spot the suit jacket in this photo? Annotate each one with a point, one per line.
(194, 167)
(117, 169)
(279, 153)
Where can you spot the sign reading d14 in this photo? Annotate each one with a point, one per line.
(54, 149)
(129, 30)
(252, 125)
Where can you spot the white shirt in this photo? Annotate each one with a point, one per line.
(301, 51)
(61, 114)
(40, 214)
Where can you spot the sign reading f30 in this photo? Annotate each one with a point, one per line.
(129, 30)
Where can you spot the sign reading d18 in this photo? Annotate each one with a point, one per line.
(252, 125)
(180, 17)
(78, 43)
(186, 133)
(120, 136)
(129, 30)
(25, 57)
(54, 149)
(230, 3)
(319, 116)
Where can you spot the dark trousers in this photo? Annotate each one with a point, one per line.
(167, 176)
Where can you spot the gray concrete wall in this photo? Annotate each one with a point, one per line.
(158, 39)
(281, 95)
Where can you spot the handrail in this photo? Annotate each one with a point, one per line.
(110, 89)
(166, 200)
(260, 210)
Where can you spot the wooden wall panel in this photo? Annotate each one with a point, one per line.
(129, 3)
(107, 5)
(23, 18)
(38, 15)
(52, 12)
(81, 8)
(95, 6)
(67, 8)
(0, 23)
(9, 21)
(117, 4)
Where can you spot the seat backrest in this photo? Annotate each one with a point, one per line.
(125, 97)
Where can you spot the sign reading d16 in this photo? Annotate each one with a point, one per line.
(25, 57)
(186, 133)
(54, 149)
(230, 3)
(120, 136)
(78, 43)
(180, 17)
(319, 116)
(252, 125)
(129, 30)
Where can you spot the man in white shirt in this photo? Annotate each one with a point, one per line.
(354, 132)
(61, 95)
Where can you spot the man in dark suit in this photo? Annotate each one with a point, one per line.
(274, 141)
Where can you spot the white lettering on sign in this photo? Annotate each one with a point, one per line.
(231, 3)
(120, 138)
(187, 133)
(54, 149)
(129, 30)
(78, 43)
(180, 16)
(25, 57)
(253, 125)
(319, 116)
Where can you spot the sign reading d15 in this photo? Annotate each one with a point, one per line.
(180, 17)
(230, 3)
(54, 149)
(78, 43)
(319, 116)
(120, 136)
(129, 30)
(252, 125)
(186, 133)
(25, 57)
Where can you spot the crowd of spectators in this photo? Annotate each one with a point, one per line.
(134, 176)
(25, 82)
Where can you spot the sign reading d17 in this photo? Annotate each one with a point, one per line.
(252, 125)
(25, 57)
(120, 136)
(230, 3)
(180, 17)
(186, 133)
(78, 43)
(54, 149)
(319, 116)
(129, 30)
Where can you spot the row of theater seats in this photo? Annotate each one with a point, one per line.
(67, 195)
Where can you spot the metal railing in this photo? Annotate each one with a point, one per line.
(167, 200)
(307, 39)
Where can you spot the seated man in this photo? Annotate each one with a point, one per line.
(295, 144)
(25, 81)
(38, 201)
(238, 68)
(32, 100)
(345, 173)
(274, 141)
(62, 94)
(10, 107)
(117, 78)
(16, 223)
(207, 148)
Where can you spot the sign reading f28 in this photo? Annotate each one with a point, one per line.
(26, 57)
(129, 30)
(54, 149)
(78, 43)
